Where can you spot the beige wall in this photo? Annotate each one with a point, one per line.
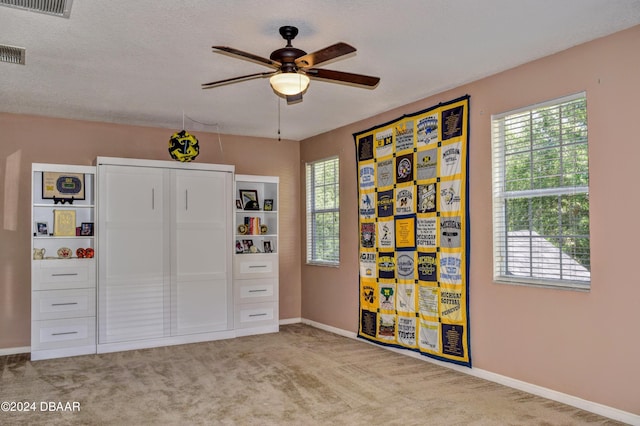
(28, 139)
(582, 344)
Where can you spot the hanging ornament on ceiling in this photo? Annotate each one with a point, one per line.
(183, 146)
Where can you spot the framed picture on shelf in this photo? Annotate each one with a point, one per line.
(86, 229)
(246, 245)
(267, 247)
(65, 186)
(42, 229)
(64, 223)
(239, 204)
(249, 198)
(239, 247)
(268, 205)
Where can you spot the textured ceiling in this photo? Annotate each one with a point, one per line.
(142, 62)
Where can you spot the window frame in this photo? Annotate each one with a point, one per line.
(312, 211)
(500, 196)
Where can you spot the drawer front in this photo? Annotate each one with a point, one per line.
(255, 266)
(255, 290)
(256, 314)
(63, 274)
(63, 333)
(58, 304)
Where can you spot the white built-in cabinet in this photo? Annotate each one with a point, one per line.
(63, 285)
(169, 263)
(165, 268)
(255, 262)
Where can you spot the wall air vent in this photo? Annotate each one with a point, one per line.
(12, 54)
(61, 8)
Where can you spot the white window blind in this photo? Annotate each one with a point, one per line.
(541, 194)
(323, 212)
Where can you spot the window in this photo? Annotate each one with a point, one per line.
(323, 212)
(541, 194)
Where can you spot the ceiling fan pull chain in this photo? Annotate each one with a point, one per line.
(278, 100)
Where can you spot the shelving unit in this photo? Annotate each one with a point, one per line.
(255, 270)
(63, 285)
(266, 190)
(78, 308)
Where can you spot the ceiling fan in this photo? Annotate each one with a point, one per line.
(293, 68)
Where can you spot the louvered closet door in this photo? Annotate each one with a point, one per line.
(132, 251)
(201, 278)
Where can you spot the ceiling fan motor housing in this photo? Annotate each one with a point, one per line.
(287, 55)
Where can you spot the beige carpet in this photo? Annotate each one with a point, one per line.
(300, 376)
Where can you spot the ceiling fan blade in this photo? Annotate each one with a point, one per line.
(324, 55)
(343, 77)
(248, 56)
(237, 79)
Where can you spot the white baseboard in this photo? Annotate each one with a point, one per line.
(103, 348)
(574, 401)
(63, 352)
(14, 351)
(250, 331)
(290, 321)
(593, 407)
(330, 329)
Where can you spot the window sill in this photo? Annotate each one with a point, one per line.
(319, 263)
(583, 287)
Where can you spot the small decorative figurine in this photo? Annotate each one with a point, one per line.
(38, 253)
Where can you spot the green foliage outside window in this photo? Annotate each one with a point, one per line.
(544, 177)
(323, 212)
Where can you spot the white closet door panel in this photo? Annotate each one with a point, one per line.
(135, 310)
(132, 194)
(202, 196)
(132, 222)
(132, 252)
(201, 272)
(201, 252)
(202, 212)
(201, 306)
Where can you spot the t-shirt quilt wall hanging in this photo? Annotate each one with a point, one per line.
(413, 225)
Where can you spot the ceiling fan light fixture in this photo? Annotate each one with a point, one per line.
(289, 83)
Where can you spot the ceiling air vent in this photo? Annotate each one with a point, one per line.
(12, 54)
(60, 8)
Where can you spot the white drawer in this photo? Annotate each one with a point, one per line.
(255, 290)
(255, 266)
(58, 304)
(63, 333)
(256, 314)
(63, 274)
